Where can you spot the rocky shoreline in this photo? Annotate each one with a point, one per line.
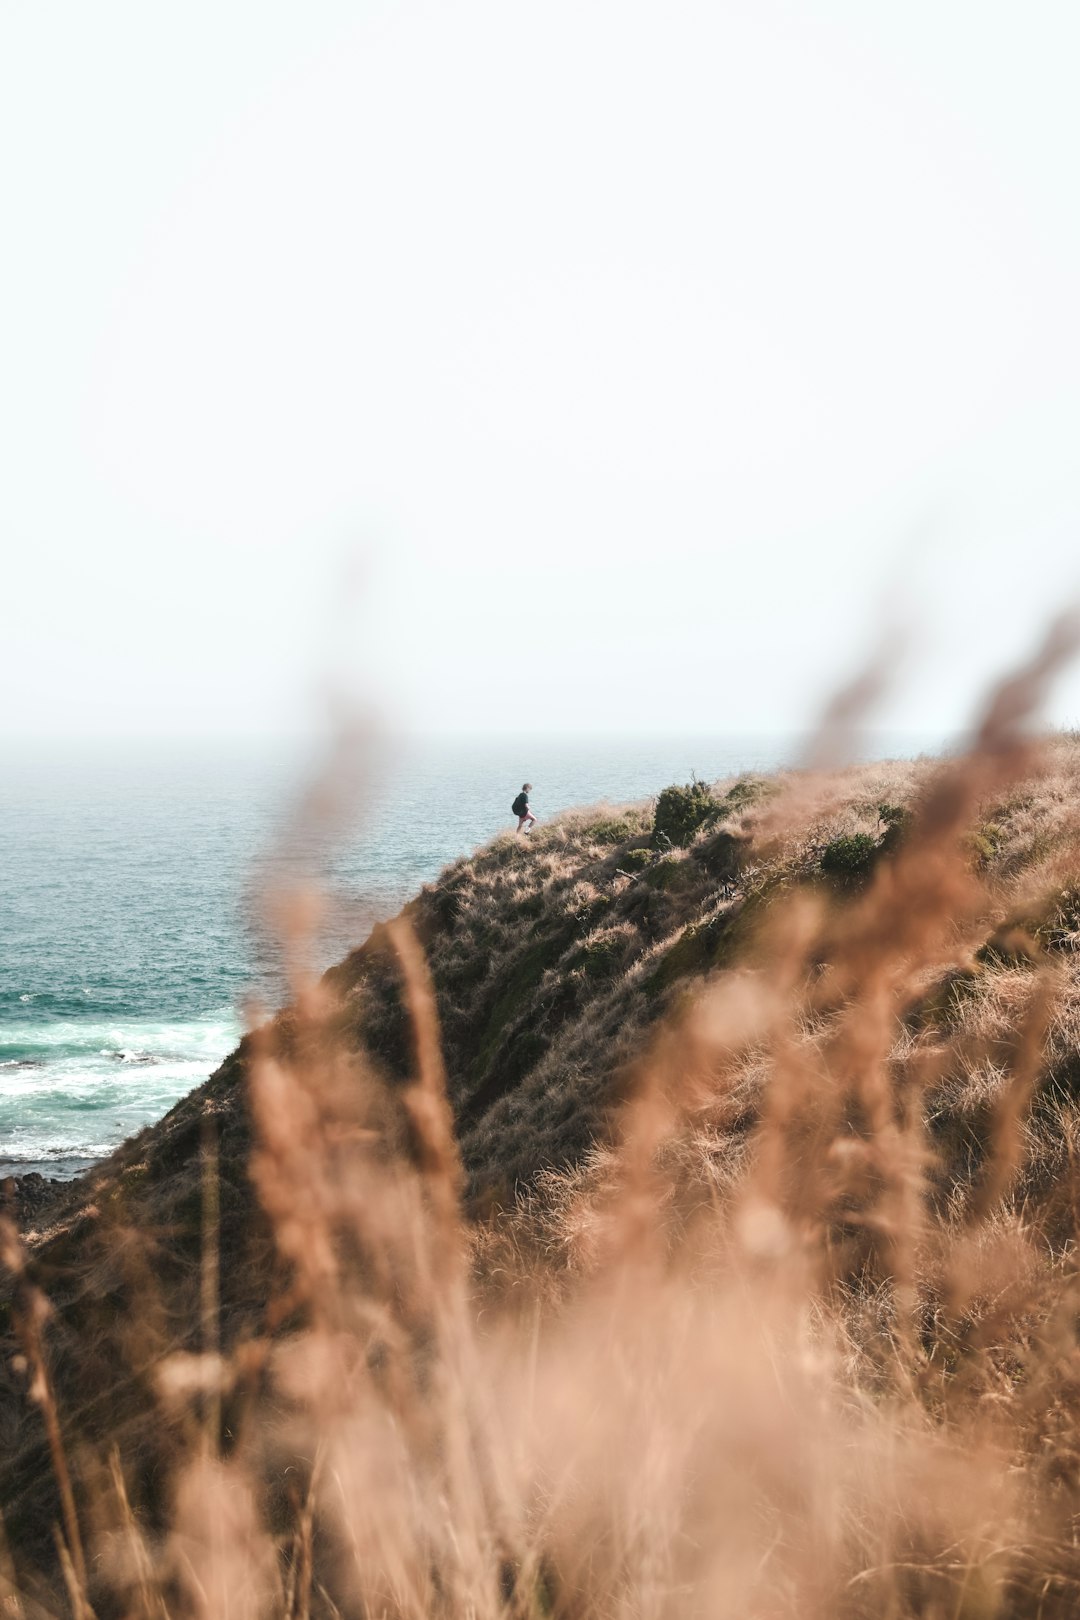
(26, 1197)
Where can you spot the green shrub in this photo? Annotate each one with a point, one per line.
(612, 830)
(723, 856)
(979, 849)
(600, 958)
(666, 873)
(896, 821)
(635, 860)
(747, 790)
(984, 843)
(849, 856)
(680, 811)
(588, 915)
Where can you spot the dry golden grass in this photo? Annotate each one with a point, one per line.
(791, 1331)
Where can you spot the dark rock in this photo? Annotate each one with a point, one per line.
(26, 1197)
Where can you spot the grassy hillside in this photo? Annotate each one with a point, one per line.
(761, 1105)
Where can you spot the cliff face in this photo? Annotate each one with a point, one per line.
(554, 958)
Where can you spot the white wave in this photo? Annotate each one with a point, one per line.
(76, 1090)
(214, 1031)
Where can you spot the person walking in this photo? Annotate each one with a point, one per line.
(520, 808)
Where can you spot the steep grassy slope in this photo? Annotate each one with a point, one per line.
(550, 956)
(554, 957)
(557, 961)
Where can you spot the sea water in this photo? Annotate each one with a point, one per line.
(134, 937)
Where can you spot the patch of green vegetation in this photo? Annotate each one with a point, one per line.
(896, 819)
(600, 958)
(723, 856)
(680, 811)
(748, 790)
(513, 996)
(536, 1601)
(850, 856)
(612, 830)
(981, 844)
(665, 874)
(587, 916)
(980, 849)
(635, 860)
(699, 948)
(690, 954)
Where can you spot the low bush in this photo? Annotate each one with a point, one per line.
(612, 830)
(896, 820)
(979, 848)
(850, 856)
(723, 855)
(588, 912)
(635, 860)
(666, 873)
(748, 790)
(680, 811)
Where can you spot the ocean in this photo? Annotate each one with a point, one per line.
(132, 930)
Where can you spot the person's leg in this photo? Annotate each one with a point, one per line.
(521, 822)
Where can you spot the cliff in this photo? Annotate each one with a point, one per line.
(560, 963)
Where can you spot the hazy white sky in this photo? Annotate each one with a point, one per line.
(587, 364)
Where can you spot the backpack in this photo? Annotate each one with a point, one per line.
(520, 805)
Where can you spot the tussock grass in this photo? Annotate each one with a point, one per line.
(631, 1228)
